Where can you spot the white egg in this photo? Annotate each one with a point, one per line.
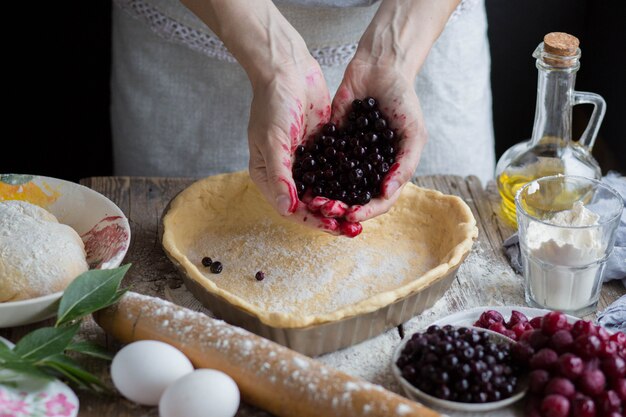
(142, 370)
(203, 393)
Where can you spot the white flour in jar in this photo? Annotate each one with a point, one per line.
(562, 262)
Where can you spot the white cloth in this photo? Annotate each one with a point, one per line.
(180, 104)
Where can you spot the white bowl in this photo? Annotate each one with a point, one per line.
(469, 317)
(416, 394)
(99, 222)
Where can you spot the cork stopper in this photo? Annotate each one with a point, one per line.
(560, 44)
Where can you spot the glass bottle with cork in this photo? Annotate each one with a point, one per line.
(551, 150)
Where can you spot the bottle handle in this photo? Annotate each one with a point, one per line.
(588, 138)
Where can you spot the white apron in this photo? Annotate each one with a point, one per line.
(180, 103)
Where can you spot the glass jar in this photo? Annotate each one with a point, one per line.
(551, 150)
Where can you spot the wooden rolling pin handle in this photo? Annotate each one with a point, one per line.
(270, 376)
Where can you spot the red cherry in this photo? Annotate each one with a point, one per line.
(535, 338)
(609, 401)
(570, 366)
(490, 317)
(553, 322)
(561, 386)
(555, 405)
(518, 329)
(536, 322)
(608, 348)
(583, 406)
(497, 327)
(544, 359)
(591, 382)
(584, 328)
(537, 380)
(561, 341)
(614, 367)
(350, 229)
(516, 318)
(619, 338)
(587, 346)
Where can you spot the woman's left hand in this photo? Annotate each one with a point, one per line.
(398, 102)
(390, 54)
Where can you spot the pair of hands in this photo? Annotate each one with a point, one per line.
(291, 100)
(294, 105)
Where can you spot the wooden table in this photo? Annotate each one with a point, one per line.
(485, 278)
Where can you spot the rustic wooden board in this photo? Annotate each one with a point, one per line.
(485, 278)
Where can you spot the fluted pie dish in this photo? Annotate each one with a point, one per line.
(320, 292)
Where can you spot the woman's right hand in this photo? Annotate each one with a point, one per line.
(287, 109)
(291, 101)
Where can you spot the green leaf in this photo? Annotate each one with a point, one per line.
(27, 368)
(89, 292)
(91, 349)
(45, 342)
(67, 367)
(7, 354)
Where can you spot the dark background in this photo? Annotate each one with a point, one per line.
(57, 89)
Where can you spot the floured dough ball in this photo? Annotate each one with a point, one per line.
(38, 255)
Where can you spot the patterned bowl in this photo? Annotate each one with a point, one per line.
(23, 395)
(100, 223)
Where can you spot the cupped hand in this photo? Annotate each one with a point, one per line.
(286, 110)
(399, 104)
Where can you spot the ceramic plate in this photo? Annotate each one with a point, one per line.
(25, 396)
(469, 317)
(100, 223)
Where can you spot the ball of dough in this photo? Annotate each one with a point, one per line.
(38, 255)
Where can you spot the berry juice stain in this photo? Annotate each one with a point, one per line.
(293, 194)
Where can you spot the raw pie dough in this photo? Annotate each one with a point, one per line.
(38, 255)
(312, 277)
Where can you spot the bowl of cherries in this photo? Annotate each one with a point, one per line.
(459, 368)
(575, 368)
(565, 367)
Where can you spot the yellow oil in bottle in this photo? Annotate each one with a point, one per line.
(512, 179)
(551, 150)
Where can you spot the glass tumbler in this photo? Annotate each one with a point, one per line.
(567, 227)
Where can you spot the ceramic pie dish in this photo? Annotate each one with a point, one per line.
(101, 225)
(320, 292)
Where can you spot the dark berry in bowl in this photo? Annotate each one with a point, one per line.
(459, 368)
(348, 162)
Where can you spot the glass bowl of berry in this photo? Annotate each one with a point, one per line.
(459, 368)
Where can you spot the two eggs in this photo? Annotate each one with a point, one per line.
(150, 372)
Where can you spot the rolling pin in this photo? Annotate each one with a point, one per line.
(270, 376)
